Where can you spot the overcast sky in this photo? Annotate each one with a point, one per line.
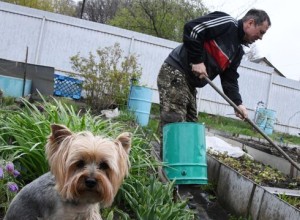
(281, 44)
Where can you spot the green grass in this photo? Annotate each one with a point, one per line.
(230, 125)
(225, 124)
(295, 201)
(288, 138)
(235, 126)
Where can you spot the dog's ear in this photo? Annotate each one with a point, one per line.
(125, 140)
(58, 133)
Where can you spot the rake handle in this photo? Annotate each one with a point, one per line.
(252, 124)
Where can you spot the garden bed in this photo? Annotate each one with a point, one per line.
(246, 188)
(265, 153)
(261, 174)
(268, 170)
(244, 197)
(260, 144)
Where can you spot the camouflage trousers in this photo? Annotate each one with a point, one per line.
(177, 98)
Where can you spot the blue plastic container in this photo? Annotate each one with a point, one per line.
(140, 103)
(67, 86)
(265, 120)
(261, 118)
(184, 153)
(271, 118)
(13, 87)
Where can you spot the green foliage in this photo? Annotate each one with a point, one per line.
(142, 192)
(236, 126)
(209, 187)
(107, 77)
(66, 7)
(286, 138)
(8, 183)
(258, 172)
(45, 5)
(6, 101)
(23, 138)
(225, 124)
(155, 109)
(23, 135)
(295, 201)
(156, 202)
(24, 132)
(160, 18)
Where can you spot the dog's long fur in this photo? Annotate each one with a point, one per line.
(86, 172)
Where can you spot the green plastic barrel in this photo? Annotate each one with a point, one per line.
(184, 153)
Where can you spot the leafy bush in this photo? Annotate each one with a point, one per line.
(107, 76)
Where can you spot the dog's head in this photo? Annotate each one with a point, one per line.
(87, 168)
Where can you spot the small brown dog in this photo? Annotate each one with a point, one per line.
(86, 172)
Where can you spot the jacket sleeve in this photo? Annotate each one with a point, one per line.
(229, 80)
(207, 27)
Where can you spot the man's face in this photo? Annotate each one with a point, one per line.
(254, 32)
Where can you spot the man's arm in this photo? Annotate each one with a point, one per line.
(204, 28)
(229, 81)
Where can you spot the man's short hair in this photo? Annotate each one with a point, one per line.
(259, 16)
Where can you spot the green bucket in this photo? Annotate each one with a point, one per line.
(184, 153)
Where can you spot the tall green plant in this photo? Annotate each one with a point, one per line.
(142, 193)
(106, 76)
(23, 133)
(156, 202)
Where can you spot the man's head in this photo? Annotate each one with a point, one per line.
(255, 24)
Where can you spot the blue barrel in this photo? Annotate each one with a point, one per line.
(261, 118)
(13, 87)
(265, 120)
(184, 153)
(139, 102)
(271, 118)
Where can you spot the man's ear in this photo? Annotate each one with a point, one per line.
(251, 21)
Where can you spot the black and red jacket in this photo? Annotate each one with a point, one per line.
(215, 39)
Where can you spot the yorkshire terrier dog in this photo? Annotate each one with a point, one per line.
(86, 172)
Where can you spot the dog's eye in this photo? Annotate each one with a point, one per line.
(103, 166)
(80, 164)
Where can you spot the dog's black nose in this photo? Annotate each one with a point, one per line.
(90, 182)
